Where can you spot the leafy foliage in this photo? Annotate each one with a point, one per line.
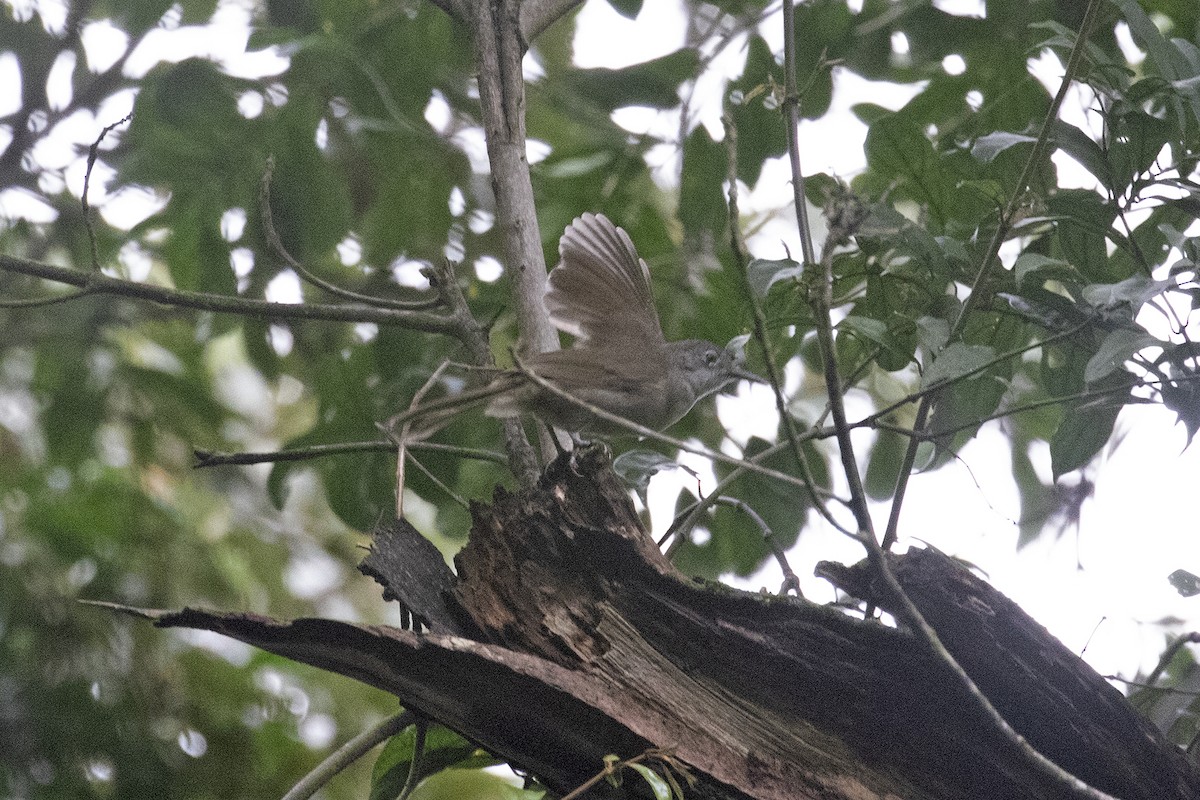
(369, 116)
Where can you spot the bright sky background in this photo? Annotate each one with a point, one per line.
(1107, 584)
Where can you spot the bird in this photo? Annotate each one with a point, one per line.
(619, 362)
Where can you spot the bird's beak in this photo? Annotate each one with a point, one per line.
(747, 375)
(737, 353)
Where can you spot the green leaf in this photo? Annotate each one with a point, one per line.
(761, 132)
(1081, 147)
(701, 185)
(627, 8)
(1186, 583)
(883, 465)
(1135, 140)
(1043, 267)
(956, 360)
(1183, 397)
(652, 83)
(764, 273)
(1117, 347)
(873, 329)
(457, 784)
(1135, 291)
(1088, 221)
(443, 748)
(660, 788)
(933, 333)
(898, 150)
(1086, 428)
(987, 147)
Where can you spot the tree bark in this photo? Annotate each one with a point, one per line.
(566, 636)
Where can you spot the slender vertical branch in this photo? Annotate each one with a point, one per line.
(499, 48)
(760, 324)
(791, 113)
(821, 297)
(499, 51)
(988, 264)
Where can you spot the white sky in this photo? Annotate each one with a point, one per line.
(1138, 528)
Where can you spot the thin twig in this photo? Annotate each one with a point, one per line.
(760, 326)
(402, 444)
(206, 458)
(272, 236)
(455, 496)
(822, 298)
(93, 153)
(44, 301)
(790, 581)
(1169, 655)
(347, 754)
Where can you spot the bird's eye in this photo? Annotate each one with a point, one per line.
(711, 357)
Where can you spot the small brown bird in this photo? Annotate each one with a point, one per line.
(620, 362)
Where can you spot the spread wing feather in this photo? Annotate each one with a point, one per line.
(600, 290)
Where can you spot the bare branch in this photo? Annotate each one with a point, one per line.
(208, 458)
(821, 297)
(738, 248)
(502, 101)
(97, 283)
(272, 236)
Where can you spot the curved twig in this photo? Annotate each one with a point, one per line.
(272, 236)
(348, 753)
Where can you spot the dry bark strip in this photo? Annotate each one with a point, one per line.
(566, 636)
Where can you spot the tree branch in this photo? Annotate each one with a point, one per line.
(97, 283)
(738, 248)
(208, 458)
(822, 298)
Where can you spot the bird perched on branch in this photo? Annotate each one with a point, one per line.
(620, 362)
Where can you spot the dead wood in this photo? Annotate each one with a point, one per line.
(566, 636)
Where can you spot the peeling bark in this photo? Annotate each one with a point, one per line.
(566, 636)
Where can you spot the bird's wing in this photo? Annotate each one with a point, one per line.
(588, 368)
(600, 290)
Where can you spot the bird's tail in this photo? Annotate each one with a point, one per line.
(422, 421)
